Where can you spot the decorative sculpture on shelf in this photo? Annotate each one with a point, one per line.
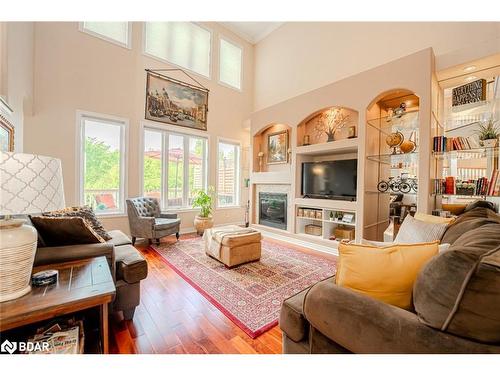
(260, 155)
(330, 121)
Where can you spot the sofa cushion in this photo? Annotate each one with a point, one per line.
(459, 291)
(292, 320)
(384, 273)
(67, 230)
(469, 221)
(416, 231)
(84, 212)
(130, 264)
(163, 223)
(118, 238)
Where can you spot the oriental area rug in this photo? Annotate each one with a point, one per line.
(250, 294)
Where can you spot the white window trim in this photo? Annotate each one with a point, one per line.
(157, 58)
(80, 115)
(238, 178)
(127, 45)
(231, 41)
(172, 129)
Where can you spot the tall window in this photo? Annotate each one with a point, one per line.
(230, 60)
(102, 163)
(182, 43)
(115, 32)
(175, 167)
(228, 174)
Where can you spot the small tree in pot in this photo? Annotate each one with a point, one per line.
(203, 200)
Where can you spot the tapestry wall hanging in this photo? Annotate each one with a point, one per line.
(171, 101)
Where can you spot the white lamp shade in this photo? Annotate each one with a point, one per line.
(30, 184)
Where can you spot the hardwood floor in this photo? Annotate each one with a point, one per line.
(174, 318)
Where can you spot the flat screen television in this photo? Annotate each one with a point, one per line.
(335, 179)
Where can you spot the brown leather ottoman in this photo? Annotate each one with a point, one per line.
(235, 248)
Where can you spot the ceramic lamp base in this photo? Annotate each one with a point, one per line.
(17, 253)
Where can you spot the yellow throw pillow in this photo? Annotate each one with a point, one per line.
(434, 219)
(385, 273)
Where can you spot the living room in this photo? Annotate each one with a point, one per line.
(264, 187)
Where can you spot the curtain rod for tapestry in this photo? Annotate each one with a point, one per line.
(155, 71)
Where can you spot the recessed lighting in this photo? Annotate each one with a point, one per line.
(469, 68)
(470, 78)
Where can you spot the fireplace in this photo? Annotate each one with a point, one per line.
(272, 210)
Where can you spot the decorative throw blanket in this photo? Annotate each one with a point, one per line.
(213, 237)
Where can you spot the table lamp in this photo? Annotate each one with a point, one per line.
(29, 184)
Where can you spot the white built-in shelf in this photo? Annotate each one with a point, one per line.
(319, 239)
(342, 146)
(327, 204)
(281, 177)
(338, 222)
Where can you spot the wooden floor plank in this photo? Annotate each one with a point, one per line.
(174, 318)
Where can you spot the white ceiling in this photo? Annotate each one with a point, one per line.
(252, 32)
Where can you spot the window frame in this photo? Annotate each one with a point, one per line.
(80, 159)
(237, 204)
(187, 134)
(127, 45)
(231, 41)
(161, 59)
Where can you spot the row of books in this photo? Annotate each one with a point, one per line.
(442, 143)
(480, 186)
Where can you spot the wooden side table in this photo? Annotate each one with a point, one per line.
(81, 285)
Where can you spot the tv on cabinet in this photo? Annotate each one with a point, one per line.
(336, 179)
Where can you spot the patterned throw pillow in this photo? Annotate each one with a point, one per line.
(86, 213)
(415, 231)
(65, 230)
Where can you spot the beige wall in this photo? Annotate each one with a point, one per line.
(16, 74)
(317, 54)
(75, 71)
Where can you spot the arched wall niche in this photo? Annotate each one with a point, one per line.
(379, 164)
(309, 125)
(261, 158)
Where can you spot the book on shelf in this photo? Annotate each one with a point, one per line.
(493, 182)
(445, 144)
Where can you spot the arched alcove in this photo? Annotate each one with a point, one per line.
(271, 147)
(314, 128)
(391, 172)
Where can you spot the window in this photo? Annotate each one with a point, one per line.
(182, 43)
(230, 60)
(174, 167)
(115, 32)
(228, 176)
(102, 163)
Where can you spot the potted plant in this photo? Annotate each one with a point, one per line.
(204, 219)
(488, 133)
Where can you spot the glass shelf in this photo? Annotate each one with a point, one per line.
(471, 115)
(390, 192)
(473, 153)
(406, 123)
(392, 159)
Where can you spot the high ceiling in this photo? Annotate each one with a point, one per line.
(252, 32)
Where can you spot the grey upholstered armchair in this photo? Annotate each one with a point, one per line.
(146, 220)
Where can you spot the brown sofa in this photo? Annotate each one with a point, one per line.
(127, 265)
(456, 304)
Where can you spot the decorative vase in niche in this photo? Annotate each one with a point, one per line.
(306, 141)
(330, 137)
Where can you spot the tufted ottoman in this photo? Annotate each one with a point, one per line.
(233, 245)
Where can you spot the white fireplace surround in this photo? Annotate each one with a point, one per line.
(275, 188)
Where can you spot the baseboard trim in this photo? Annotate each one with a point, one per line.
(296, 241)
(192, 230)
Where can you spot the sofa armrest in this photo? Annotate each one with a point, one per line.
(168, 216)
(59, 254)
(363, 324)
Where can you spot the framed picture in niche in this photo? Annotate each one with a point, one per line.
(277, 147)
(6, 135)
